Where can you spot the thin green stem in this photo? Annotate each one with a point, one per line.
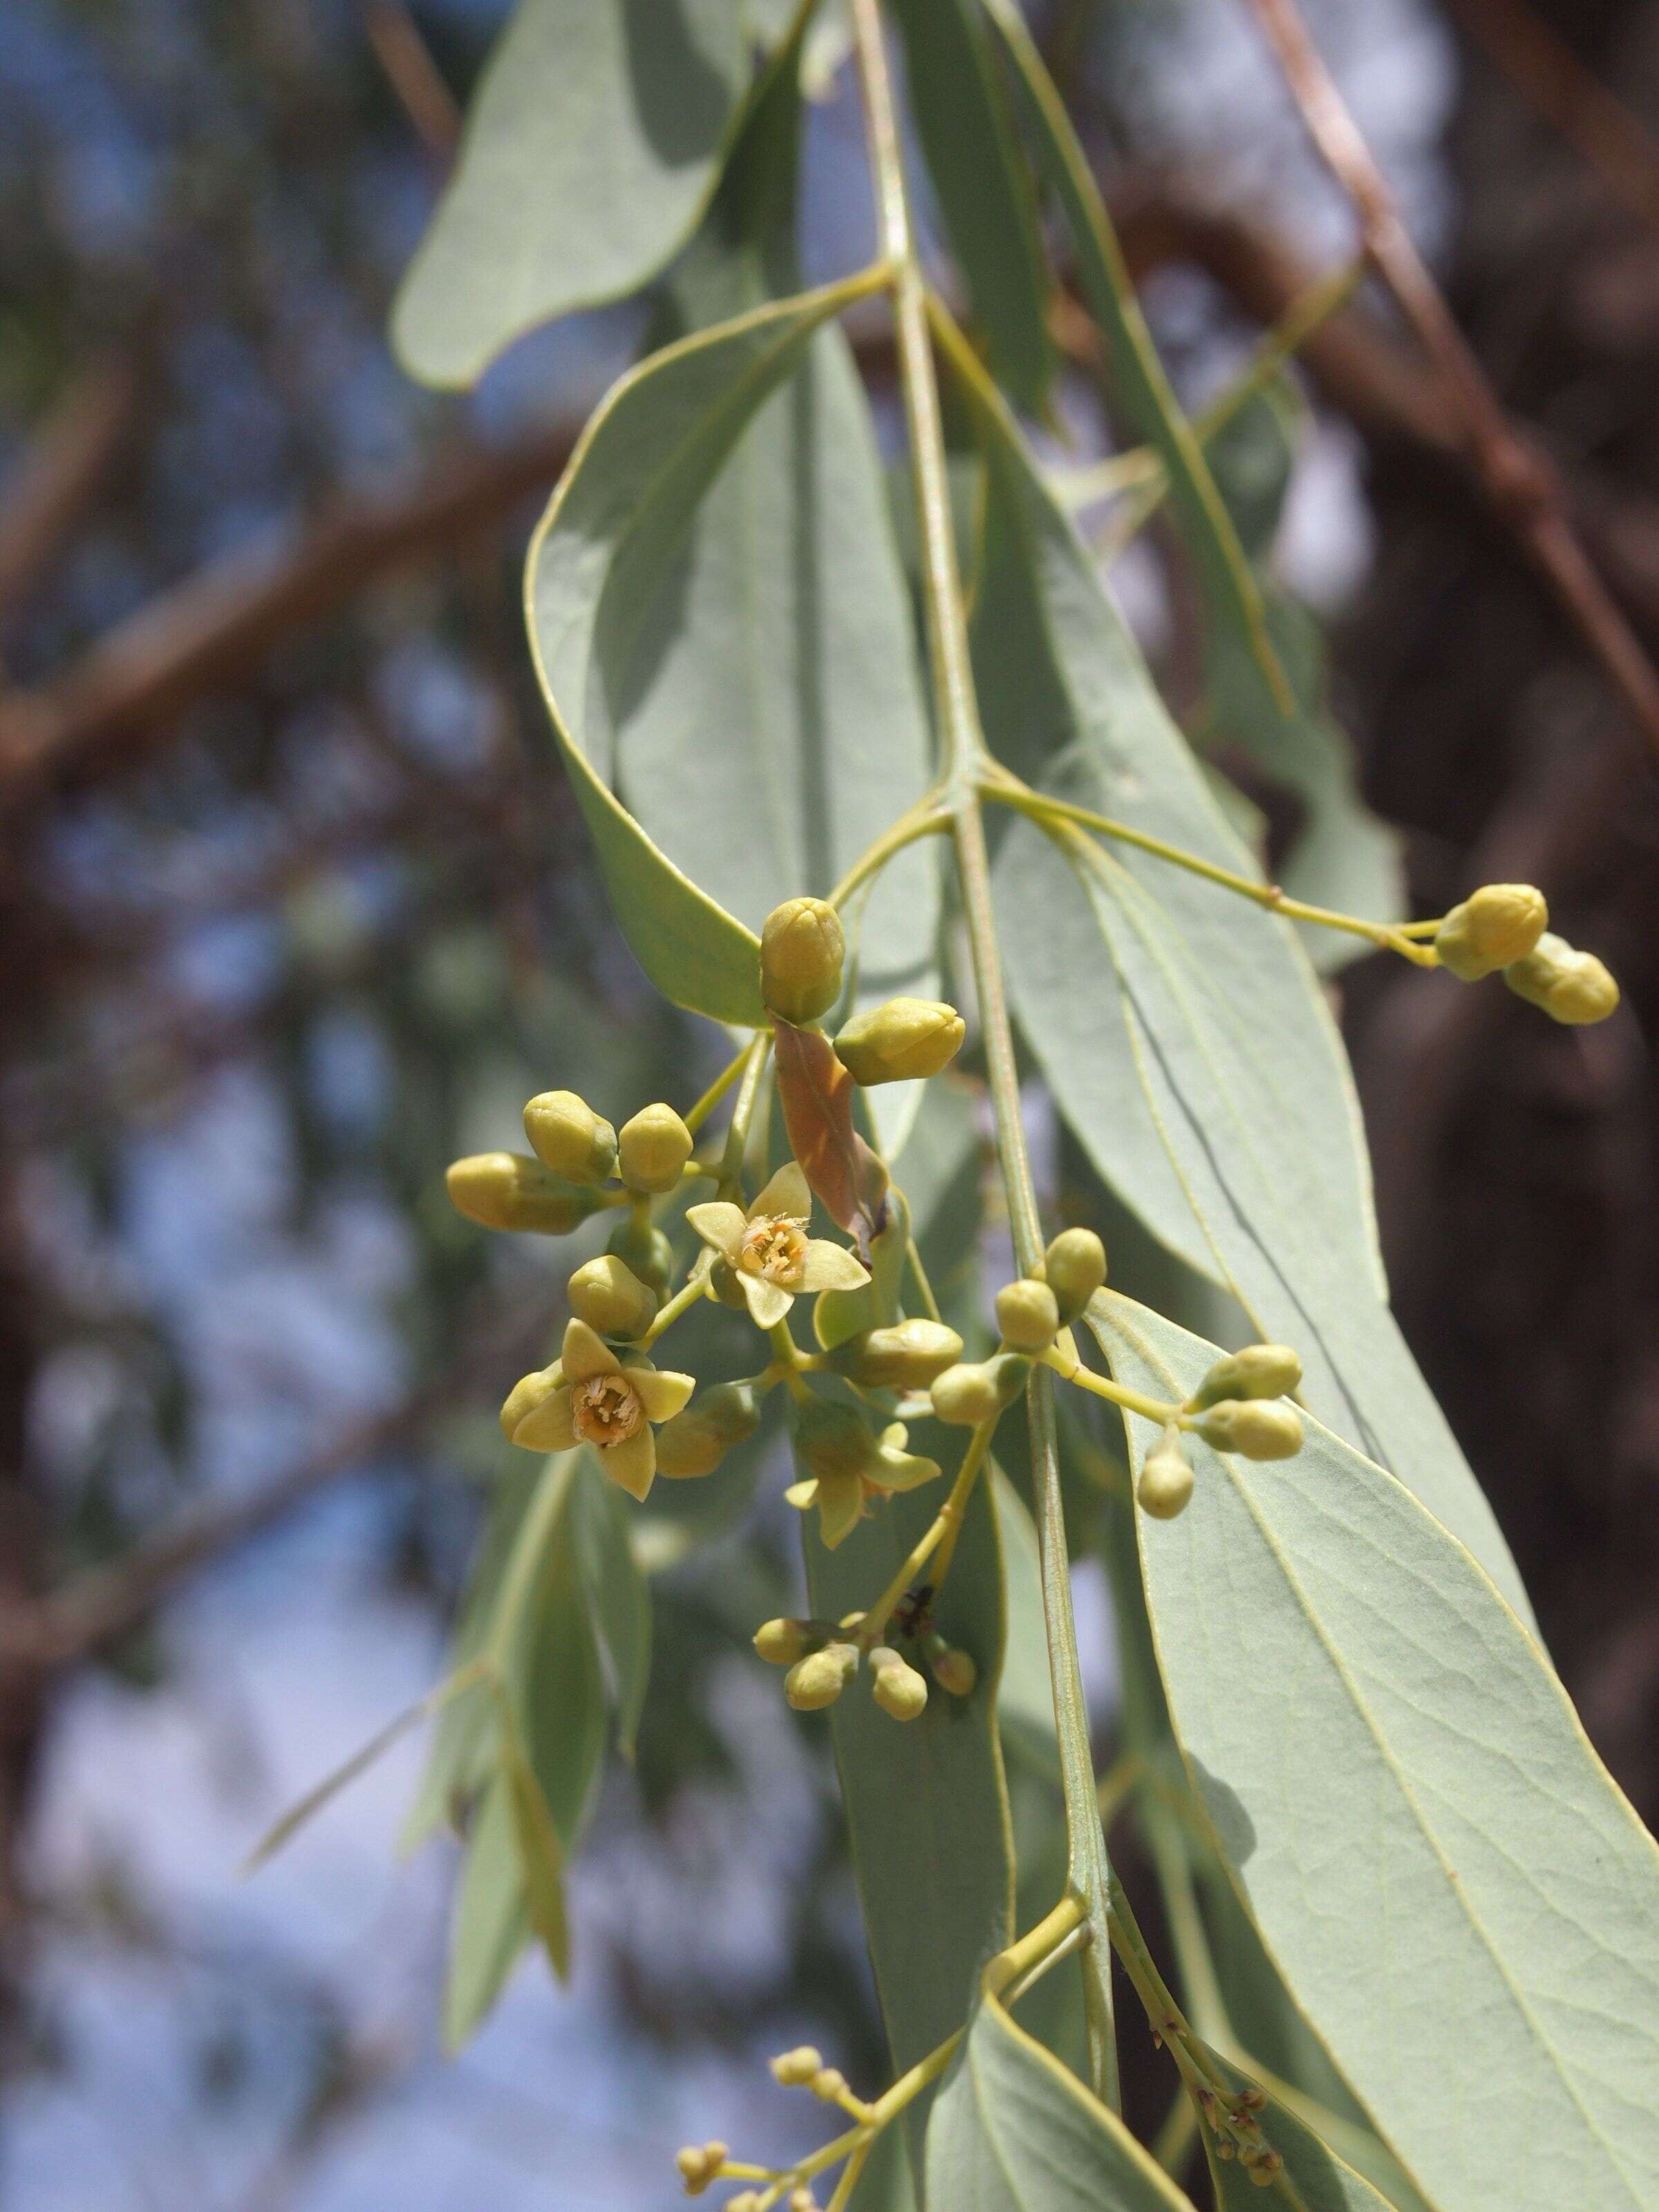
(943, 1524)
(923, 820)
(687, 1296)
(716, 1090)
(1102, 1386)
(964, 762)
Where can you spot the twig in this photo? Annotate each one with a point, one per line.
(1519, 481)
(414, 76)
(62, 472)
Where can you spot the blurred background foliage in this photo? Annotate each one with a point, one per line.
(294, 908)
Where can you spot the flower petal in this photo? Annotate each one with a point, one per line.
(787, 1193)
(800, 1495)
(897, 1470)
(720, 1223)
(662, 1393)
(586, 1353)
(632, 1463)
(828, 1267)
(768, 1302)
(551, 1426)
(841, 1503)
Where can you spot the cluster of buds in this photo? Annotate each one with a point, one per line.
(1238, 2133)
(822, 1658)
(803, 951)
(1239, 1407)
(1505, 926)
(700, 2164)
(577, 1154)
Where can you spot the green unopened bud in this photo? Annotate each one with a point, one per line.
(610, 1298)
(1494, 925)
(529, 1391)
(905, 1040)
(905, 1356)
(1166, 1480)
(780, 1643)
(831, 1440)
(695, 1441)
(978, 1390)
(509, 1190)
(1260, 1428)
(567, 1137)
(1028, 1313)
(1571, 986)
(953, 1669)
(652, 1149)
(1074, 1268)
(1261, 1371)
(802, 948)
(897, 1688)
(820, 1678)
(794, 2070)
(645, 1251)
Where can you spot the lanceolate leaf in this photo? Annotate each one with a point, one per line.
(1452, 1888)
(490, 1924)
(617, 1597)
(591, 145)
(1012, 2130)
(1216, 1018)
(815, 1093)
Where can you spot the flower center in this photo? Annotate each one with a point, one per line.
(606, 1409)
(774, 1247)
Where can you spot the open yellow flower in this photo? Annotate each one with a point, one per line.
(609, 1403)
(848, 1466)
(769, 1250)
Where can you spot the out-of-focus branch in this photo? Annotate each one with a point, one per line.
(64, 469)
(1545, 70)
(1519, 481)
(414, 76)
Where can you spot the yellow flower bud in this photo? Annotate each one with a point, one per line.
(1496, 925)
(509, 1190)
(699, 2164)
(1571, 986)
(1166, 1480)
(1074, 1268)
(781, 1642)
(695, 1441)
(820, 1678)
(1260, 1428)
(1261, 1371)
(802, 948)
(1028, 1313)
(905, 1040)
(794, 2070)
(652, 1149)
(569, 1138)
(954, 1670)
(746, 2200)
(610, 1298)
(526, 1394)
(645, 1251)
(829, 2084)
(977, 1391)
(897, 1688)
(905, 1356)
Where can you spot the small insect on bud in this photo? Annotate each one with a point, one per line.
(526, 1394)
(1074, 1268)
(820, 1678)
(905, 1356)
(645, 1251)
(978, 1390)
(1028, 1313)
(569, 1138)
(794, 2070)
(652, 1149)
(610, 1298)
(905, 1040)
(781, 1643)
(898, 1689)
(1494, 925)
(509, 1190)
(1261, 1371)
(953, 1669)
(1571, 986)
(802, 948)
(695, 1442)
(1260, 1428)
(1166, 1482)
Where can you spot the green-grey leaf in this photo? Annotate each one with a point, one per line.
(1025, 1698)
(1319, 2177)
(592, 146)
(606, 568)
(926, 1808)
(1217, 1019)
(491, 1922)
(618, 1599)
(1454, 1890)
(1012, 2131)
(984, 188)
